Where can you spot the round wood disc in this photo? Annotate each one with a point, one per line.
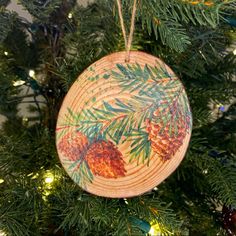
(123, 127)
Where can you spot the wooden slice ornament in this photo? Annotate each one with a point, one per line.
(124, 125)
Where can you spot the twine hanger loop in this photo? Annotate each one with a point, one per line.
(128, 41)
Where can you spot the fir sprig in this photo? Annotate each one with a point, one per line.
(140, 146)
(157, 86)
(134, 78)
(113, 121)
(80, 171)
(152, 88)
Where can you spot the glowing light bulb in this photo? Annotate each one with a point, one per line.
(25, 119)
(152, 231)
(2, 233)
(155, 229)
(48, 177)
(31, 73)
(18, 83)
(1, 181)
(126, 201)
(70, 15)
(234, 51)
(6, 53)
(49, 180)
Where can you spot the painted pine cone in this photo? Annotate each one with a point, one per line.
(73, 144)
(105, 160)
(162, 142)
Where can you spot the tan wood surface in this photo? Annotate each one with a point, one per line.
(89, 92)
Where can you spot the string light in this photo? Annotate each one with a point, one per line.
(1, 181)
(126, 201)
(222, 108)
(154, 230)
(18, 83)
(25, 119)
(6, 53)
(70, 15)
(32, 73)
(48, 184)
(234, 51)
(2, 233)
(49, 178)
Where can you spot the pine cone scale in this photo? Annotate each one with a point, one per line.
(164, 144)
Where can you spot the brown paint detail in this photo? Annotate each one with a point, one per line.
(105, 160)
(72, 145)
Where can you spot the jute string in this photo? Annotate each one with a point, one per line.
(128, 41)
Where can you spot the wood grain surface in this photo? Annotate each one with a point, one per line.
(123, 128)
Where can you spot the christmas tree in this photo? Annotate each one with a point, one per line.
(40, 60)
